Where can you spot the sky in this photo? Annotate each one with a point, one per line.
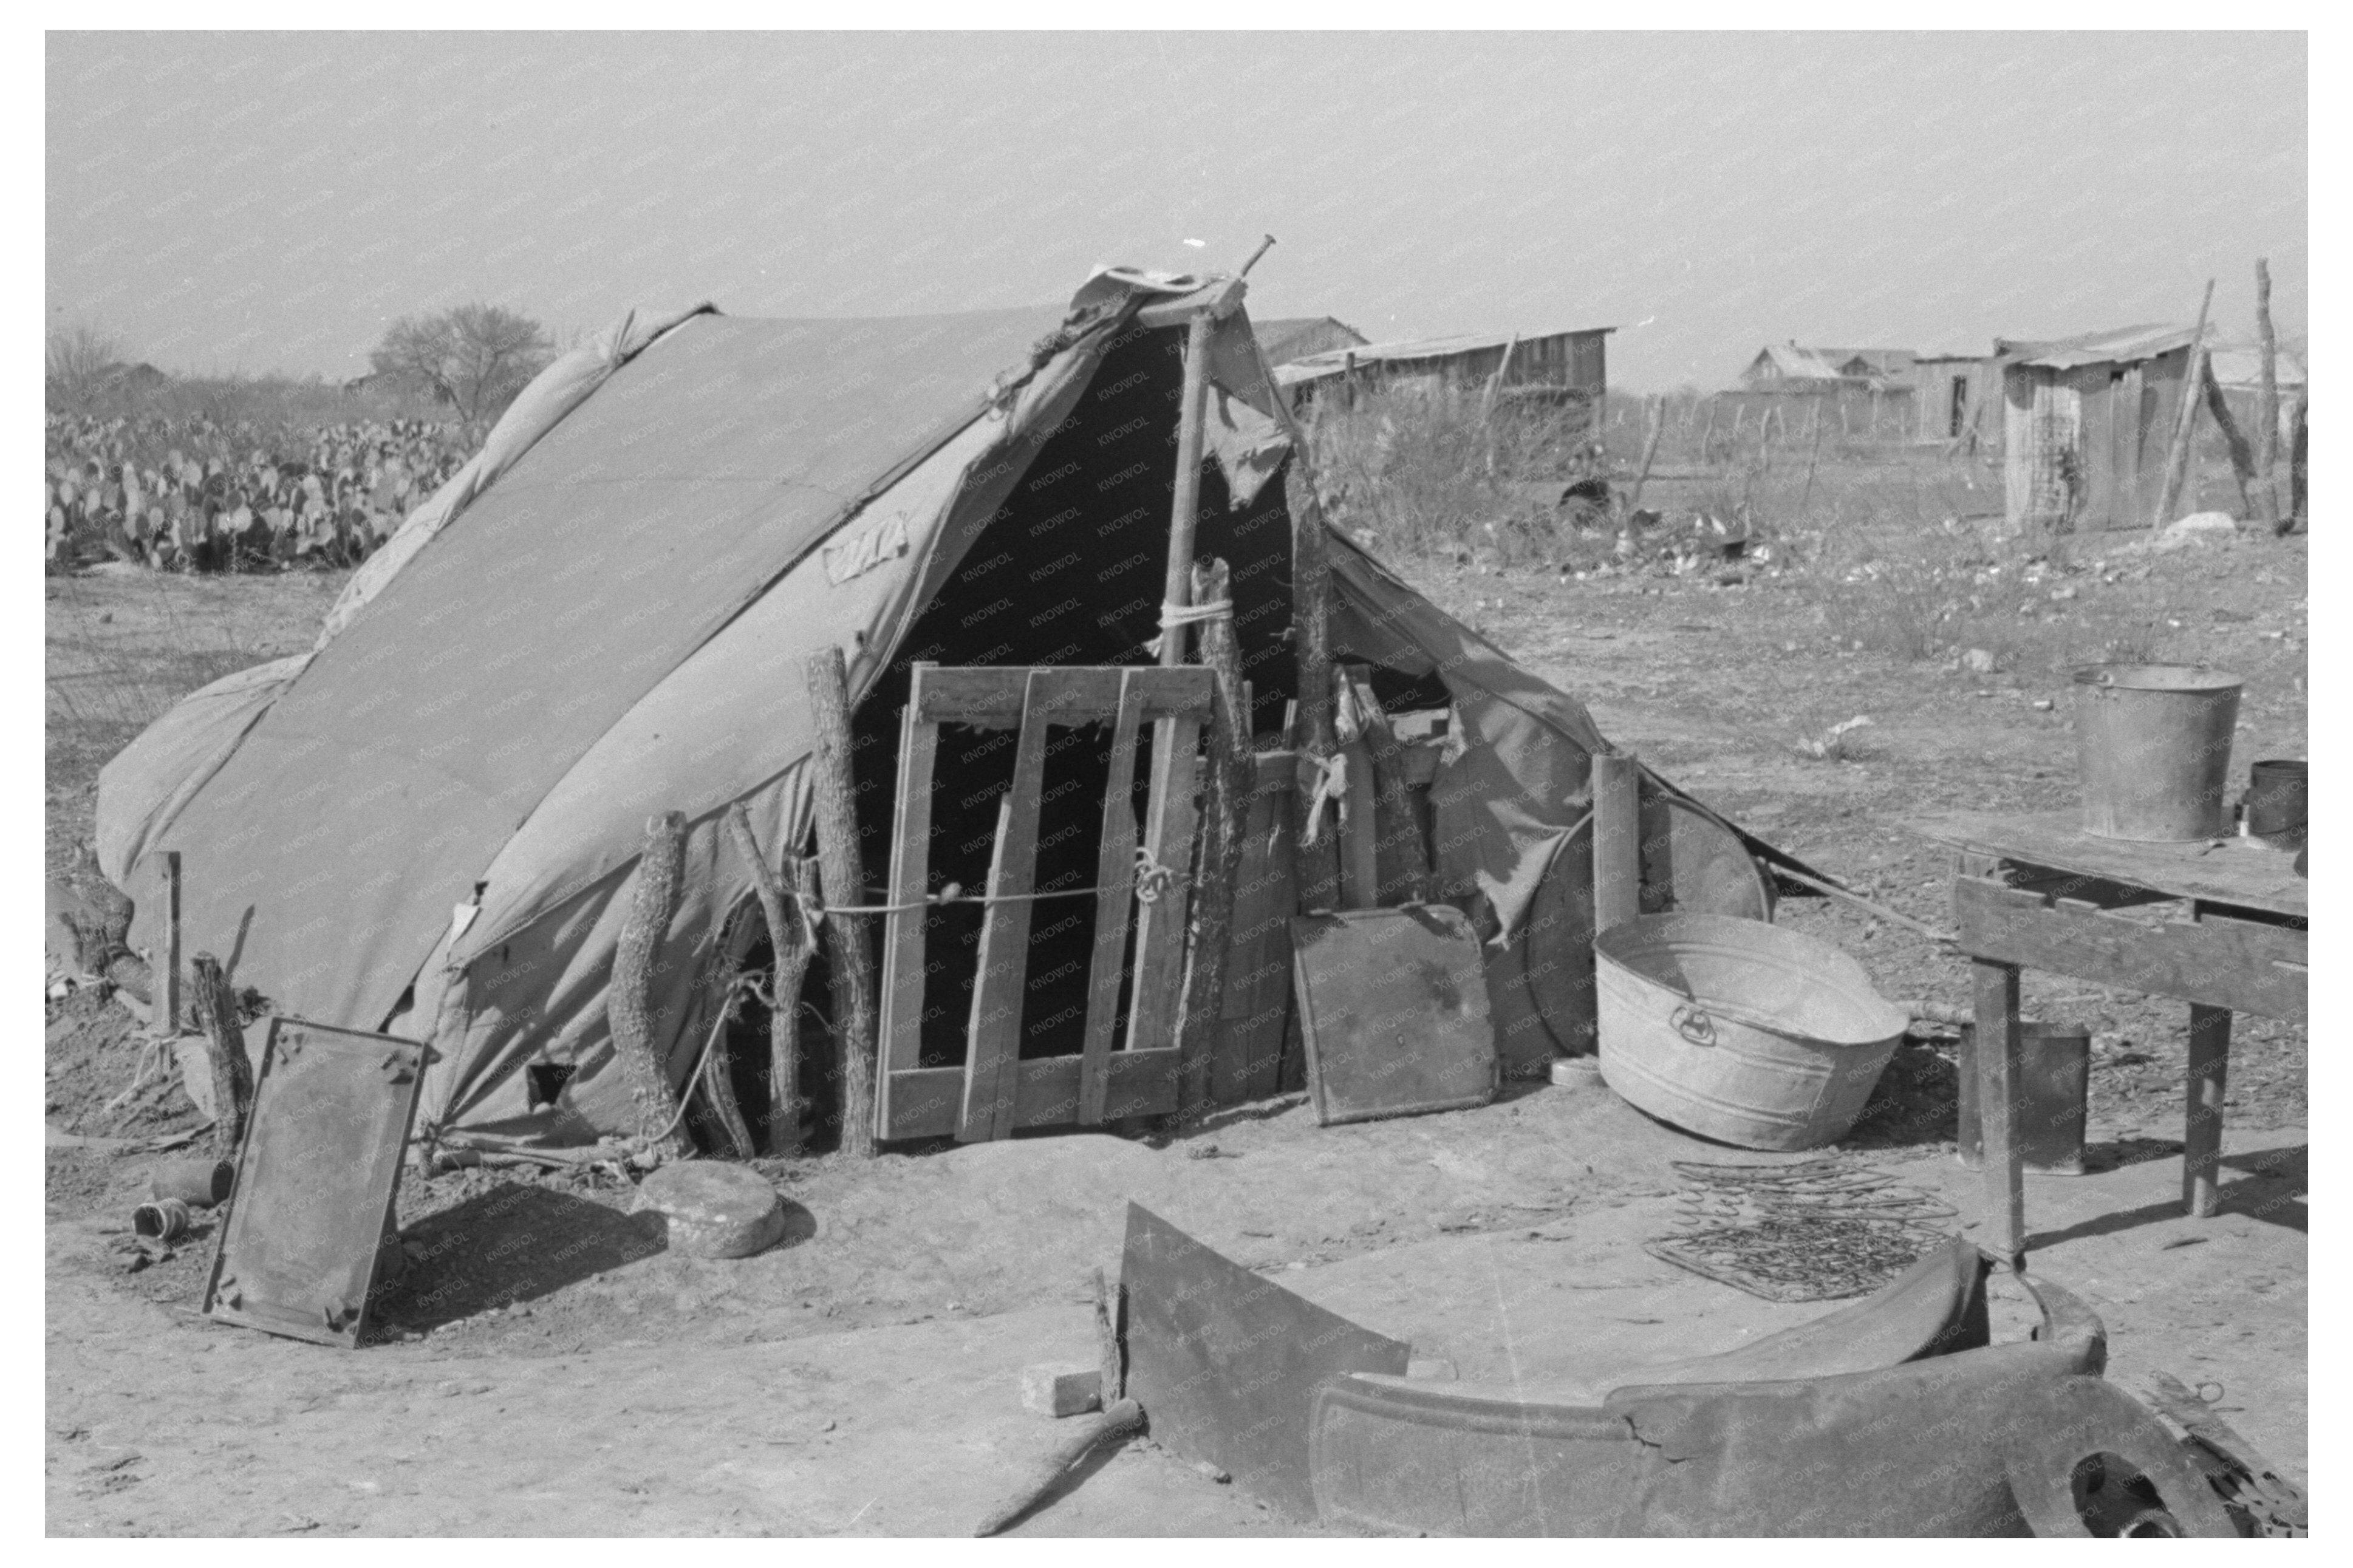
(256, 203)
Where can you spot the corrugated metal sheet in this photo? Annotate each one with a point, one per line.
(2119, 346)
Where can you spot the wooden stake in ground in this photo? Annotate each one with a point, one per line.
(1649, 451)
(214, 1005)
(2177, 455)
(845, 883)
(788, 941)
(653, 903)
(2253, 501)
(1231, 777)
(164, 1016)
(2296, 467)
(2268, 408)
(1813, 456)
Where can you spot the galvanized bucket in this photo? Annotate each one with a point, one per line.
(2153, 749)
(1746, 1032)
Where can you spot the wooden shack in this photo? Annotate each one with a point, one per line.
(2085, 423)
(1289, 338)
(1955, 395)
(1567, 367)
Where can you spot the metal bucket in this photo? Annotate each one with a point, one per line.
(2276, 795)
(1743, 1032)
(2153, 748)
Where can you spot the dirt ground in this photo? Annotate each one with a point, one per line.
(546, 1367)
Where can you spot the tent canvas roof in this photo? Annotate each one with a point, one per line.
(429, 818)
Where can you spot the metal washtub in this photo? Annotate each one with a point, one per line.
(1740, 1031)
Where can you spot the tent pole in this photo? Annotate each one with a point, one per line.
(1186, 509)
(1231, 783)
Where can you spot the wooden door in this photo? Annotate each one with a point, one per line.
(994, 1091)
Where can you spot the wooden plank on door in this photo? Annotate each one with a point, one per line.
(992, 698)
(993, 1039)
(1115, 882)
(903, 929)
(1173, 816)
(1138, 1083)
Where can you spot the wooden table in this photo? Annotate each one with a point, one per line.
(2035, 891)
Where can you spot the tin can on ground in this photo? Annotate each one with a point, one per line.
(2052, 1098)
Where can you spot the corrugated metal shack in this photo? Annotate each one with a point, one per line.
(1563, 368)
(2085, 423)
(1293, 338)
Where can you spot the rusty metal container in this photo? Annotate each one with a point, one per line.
(2277, 792)
(2153, 749)
(2056, 1066)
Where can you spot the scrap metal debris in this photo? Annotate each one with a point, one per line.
(1817, 1230)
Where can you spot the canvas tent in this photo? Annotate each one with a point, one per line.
(428, 823)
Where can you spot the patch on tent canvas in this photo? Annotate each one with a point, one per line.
(885, 539)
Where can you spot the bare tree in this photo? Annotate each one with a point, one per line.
(475, 357)
(81, 359)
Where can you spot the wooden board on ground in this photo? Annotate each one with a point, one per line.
(315, 1182)
(1393, 1006)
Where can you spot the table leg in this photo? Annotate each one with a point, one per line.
(2001, 1083)
(2201, 1133)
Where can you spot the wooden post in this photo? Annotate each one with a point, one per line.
(2177, 455)
(786, 941)
(1231, 782)
(2297, 466)
(1707, 435)
(1617, 839)
(844, 883)
(1495, 382)
(1813, 456)
(164, 965)
(2000, 1068)
(1650, 450)
(2253, 499)
(1185, 509)
(2268, 408)
(629, 1007)
(2201, 1133)
(1310, 645)
(215, 1009)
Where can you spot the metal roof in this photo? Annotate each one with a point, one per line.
(2118, 345)
(1406, 351)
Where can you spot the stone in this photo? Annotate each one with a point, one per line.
(2204, 522)
(1978, 661)
(1062, 1388)
(715, 1210)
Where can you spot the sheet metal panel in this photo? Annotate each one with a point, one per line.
(315, 1182)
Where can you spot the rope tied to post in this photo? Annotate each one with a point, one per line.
(1174, 616)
